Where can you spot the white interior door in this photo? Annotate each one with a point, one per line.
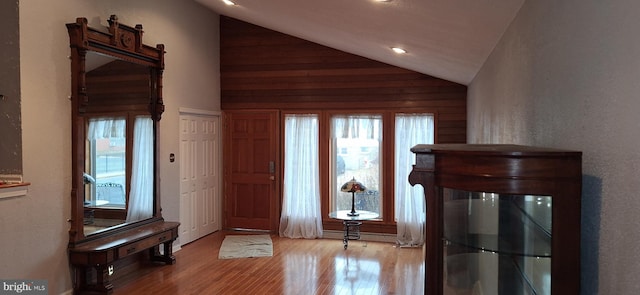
(200, 178)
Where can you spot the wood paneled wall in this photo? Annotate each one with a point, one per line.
(119, 86)
(264, 69)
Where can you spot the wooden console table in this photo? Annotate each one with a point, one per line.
(99, 254)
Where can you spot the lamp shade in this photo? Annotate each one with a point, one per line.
(353, 186)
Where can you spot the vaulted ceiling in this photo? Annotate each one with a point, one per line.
(448, 39)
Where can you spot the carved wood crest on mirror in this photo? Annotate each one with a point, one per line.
(116, 108)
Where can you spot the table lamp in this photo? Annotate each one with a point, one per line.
(353, 186)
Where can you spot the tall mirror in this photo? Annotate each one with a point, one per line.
(117, 104)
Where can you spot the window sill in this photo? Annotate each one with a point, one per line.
(14, 190)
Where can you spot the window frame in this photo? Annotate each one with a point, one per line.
(333, 152)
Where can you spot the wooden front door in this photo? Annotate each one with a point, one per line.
(250, 170)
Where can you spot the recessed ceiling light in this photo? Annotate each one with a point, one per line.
(398, 50)
(228, 2)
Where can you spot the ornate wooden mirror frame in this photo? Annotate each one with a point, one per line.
(93, 255)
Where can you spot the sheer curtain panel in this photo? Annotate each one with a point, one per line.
(411, 129)
(140, 205)
(301, 215)
(106, 128)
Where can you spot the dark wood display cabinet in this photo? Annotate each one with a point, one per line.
(501, 219)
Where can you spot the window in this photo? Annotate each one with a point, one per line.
(357, 145)
(373, 148)
(356, 149)
(106, 163)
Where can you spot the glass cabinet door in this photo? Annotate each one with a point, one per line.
(496, 243)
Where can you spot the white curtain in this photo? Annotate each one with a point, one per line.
(301, 216)
(140, 205)
(357, 126)
(106, 128)
(411, 129)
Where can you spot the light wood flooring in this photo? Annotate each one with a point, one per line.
(298, 267)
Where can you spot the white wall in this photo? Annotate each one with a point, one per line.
(567, 74)
(33, 228)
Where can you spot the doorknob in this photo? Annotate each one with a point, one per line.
(272, 177)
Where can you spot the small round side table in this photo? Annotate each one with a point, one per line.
(352, 223)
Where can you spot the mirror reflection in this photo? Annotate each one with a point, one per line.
(118, 175)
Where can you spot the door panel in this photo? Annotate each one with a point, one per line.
(199, 176)
(251, 195)
(209, 177)
(188, 193)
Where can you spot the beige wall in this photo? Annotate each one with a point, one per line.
(33, 228)
(566, 74)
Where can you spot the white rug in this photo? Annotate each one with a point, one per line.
(242, 246)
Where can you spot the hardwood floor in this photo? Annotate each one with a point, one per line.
(297, 267)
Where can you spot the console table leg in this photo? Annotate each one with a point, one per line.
(168, 253)
(103, 285)
(167, 257)
(83, 282)
(80, 279)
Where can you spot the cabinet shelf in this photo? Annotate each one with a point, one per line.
(508, 224)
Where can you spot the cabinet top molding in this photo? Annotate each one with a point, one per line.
(497, 149)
